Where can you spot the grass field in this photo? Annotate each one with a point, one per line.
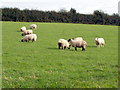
(42, 65)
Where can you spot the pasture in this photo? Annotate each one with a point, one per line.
(41, 64)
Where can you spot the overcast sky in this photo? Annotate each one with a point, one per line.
(81, 6)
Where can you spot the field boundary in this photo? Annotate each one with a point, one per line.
(0, 49)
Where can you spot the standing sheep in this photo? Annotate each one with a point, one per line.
(23, 28)
(78, 44)
(27, 38)
(33, 26)
(63, 43)
(100, 42)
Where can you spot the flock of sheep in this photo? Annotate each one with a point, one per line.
(77, 42)
(28, 34)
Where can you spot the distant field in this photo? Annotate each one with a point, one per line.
(42, 65)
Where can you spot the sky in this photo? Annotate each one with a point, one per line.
(81, 6)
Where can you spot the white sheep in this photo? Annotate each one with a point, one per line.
(33, 26)
(78, 44)
(63, 43)
(100, 42)
(27, 38)
(27, 32)
(23, 28)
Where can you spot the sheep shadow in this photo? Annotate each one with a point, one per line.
(57, 49)
(61, 49)
(92, 46)
(71, 49)
(18, 31)
(53, 48)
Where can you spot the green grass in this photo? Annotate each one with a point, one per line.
(42, 65)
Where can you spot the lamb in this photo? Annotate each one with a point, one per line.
(100, 42)
(27, 38)
(27, 32)
(23, 28)
(33, 26)
(76, 43)
(63, 43)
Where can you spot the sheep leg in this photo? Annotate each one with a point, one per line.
(75, 48)
(69, 48)
(64, 47)
(99, 46)
(59, 45)
(83, 49)
(33, 40)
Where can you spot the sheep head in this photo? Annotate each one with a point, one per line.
(69, 40)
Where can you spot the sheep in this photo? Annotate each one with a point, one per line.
(23, 28)
(100, 42)
(33, 26)
(27, 32)
(76, 43)
(63, 43)
(27, 38)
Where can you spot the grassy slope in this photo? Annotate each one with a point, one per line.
(42, 65)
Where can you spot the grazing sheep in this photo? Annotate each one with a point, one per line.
(23, 28)
(27, 32)
(76, 43)
(33, 26)
(100, 42)
(27, 38)
(63, 43)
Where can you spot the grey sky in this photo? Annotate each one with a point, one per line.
(81, 6)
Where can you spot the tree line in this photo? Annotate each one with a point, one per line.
(63, 16)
